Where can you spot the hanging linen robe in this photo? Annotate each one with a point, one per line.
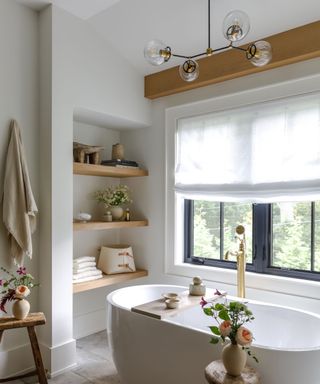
(19, 207)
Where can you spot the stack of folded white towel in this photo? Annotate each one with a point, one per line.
(85, 269)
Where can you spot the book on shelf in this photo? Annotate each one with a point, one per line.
(126, 166)
(120, 163)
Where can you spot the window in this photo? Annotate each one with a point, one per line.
(248, 166)
(282, 238)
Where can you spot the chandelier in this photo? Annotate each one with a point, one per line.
(235, 27)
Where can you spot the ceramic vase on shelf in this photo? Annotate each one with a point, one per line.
(20, 309)
(234, 359)
(116, 212)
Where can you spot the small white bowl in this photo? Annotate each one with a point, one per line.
(170, 295)
(172, 303)
(82, 216)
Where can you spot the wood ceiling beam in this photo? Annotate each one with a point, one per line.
(298, 44)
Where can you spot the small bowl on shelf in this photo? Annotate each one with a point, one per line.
(83, 217)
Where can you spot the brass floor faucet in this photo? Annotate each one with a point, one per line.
(241, 260)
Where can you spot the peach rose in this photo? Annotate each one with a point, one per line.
(225, 328)
(244, 336)
(22, 291)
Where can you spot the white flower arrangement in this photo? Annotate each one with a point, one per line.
(113, 196)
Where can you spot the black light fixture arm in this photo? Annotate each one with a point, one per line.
(240, 49)
(209, 26)
(206, 53)
(189, 57)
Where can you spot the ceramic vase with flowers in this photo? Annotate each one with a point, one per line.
(16, 287)
(113, 199)
(230, 317)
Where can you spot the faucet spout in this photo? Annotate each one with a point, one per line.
(241, 268)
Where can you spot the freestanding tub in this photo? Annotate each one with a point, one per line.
(176, 350)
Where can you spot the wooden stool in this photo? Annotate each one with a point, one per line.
(84, 152)
(29, 322)
(215, 373)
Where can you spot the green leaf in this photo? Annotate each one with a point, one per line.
(224, 315)
(214, 340)
(207, 311)
(215, 330)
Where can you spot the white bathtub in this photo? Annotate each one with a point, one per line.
(176, 350)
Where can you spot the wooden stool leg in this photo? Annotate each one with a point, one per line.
(37, 356)
(1, 332)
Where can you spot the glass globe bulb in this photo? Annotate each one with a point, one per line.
(156, 52)
(189, 70)
(235, 25)
(259, 53)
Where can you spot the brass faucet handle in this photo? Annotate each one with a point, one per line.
(240, 235)
(240, 230)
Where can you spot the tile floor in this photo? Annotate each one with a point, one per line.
(95, 364)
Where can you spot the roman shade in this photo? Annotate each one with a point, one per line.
(264, 152)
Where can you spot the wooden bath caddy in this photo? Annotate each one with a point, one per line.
(157, 308)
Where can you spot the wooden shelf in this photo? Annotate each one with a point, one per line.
(103, 170)
(100, 225)
(108, 280)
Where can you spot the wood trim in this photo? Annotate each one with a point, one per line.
(100, 225)
(108, 280)
(103, 170)
(298, 44)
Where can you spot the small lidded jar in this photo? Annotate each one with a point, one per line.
(197, 288)
(108, 216)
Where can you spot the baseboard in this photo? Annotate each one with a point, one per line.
(16, 361)
(56, 360)
(89, 323)
(60, 358)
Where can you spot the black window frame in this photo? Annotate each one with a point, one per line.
(261, 247)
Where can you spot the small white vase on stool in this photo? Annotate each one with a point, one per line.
(234, 359)
(20, 309)
(116, 212)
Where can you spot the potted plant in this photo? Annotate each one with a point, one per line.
(113, 198)
(230, 317)
(16, 287)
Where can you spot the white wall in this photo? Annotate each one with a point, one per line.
(19, 98)
(150, 144)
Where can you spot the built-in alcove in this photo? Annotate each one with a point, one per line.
(89, 298)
